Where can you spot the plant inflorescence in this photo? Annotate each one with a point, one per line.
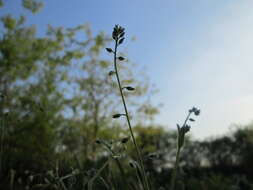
(118, 36)
(181, 131)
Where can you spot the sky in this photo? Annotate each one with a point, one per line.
(196, 52)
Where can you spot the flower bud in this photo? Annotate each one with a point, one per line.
(124, 140)
(109, 50)
(121, 40)
(111, 73)
(121, 58)
(130, 88)
(117, 115)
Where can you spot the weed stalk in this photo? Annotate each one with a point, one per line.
(118, 36)
(181, 131)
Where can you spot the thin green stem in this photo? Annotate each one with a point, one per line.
(90, 182)
(127, 117)
(174, 174)
(188, 116)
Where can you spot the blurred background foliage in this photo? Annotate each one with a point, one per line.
(57, 100)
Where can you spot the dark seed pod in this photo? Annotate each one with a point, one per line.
(121, 40)
(192, 119)
(114, 33)
(132, 165)
(111, 73)
(116, 115)
(122, 34)
(124, 140)
(109, 50)
(130, 88)
(121, 58)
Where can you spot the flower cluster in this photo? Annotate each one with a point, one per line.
(194, 110)
(186, 128)
(118, 36)
(118, 33)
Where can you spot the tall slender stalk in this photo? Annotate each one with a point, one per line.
(118, 36)
(180, 142)
(174, 174)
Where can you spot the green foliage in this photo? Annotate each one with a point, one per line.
(32, 5)
(56, 97)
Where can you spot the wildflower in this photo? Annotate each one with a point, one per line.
(195, 110)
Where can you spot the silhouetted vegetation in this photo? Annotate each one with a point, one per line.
(62, 120)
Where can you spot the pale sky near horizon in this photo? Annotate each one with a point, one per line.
(218, 73)
(196, 52)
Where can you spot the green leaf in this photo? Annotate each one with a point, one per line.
(32, 5)
(9, 22)
(1, 3)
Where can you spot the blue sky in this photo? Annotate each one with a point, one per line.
(196, 52)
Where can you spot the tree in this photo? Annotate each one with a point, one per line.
(56, 95)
